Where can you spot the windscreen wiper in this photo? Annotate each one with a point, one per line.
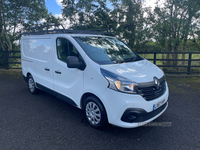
(126, 60)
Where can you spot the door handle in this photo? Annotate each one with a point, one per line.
(58, 72)
(47, 69)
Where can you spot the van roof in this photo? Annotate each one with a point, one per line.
(55, 29)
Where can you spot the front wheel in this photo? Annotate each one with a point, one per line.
(31, 85)
(95, 112)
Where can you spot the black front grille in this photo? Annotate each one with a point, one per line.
(152, 92)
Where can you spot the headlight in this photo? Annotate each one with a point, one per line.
(120, 83)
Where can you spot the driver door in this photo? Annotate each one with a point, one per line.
(68, 82)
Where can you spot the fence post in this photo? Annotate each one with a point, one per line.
(154, 59)
(7, 63)
(189, 63)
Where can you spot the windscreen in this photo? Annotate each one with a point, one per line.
(106, 50)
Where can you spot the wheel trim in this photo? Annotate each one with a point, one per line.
(31, 84)
(93, 113)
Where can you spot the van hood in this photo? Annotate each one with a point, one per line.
(138, 71)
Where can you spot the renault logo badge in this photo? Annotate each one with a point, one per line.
(157, 83)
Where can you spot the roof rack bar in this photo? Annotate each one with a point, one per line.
(46, 29)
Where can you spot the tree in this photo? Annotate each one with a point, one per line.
(132, 24)
(19, 12)
(16, 14)
(84, 14)
(125, 18)
(174, 23)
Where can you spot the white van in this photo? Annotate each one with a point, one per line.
(97, 73)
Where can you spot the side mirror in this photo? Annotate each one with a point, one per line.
(73, 62)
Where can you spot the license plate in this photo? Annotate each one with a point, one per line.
(155, 106)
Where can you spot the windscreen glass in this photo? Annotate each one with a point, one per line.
(106, 50)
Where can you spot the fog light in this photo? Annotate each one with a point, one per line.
(131, 114)
(131, 117)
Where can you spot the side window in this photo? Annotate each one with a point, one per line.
(65, 48)
(62, 49)
(72, 50)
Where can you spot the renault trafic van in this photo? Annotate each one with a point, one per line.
(96, 72)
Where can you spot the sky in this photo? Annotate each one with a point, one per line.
(55, 6)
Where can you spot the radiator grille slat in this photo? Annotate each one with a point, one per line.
(151, 92)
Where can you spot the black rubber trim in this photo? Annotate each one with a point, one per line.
(150, 115)
(131, 114)
(140, 114)
(56, 94)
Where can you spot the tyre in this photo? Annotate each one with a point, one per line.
(31, 85)
(95, 112)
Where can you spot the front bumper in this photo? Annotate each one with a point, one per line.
(120, 106)
(132, 115)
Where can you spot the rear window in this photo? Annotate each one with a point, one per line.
(37, 48)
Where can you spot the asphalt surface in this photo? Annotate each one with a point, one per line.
(34, 122)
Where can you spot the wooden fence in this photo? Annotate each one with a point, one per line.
(191, 65)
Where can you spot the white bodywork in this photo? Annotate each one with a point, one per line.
(39, 53)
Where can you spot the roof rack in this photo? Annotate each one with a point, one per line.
(55, 29)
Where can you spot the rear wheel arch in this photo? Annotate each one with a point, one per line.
(28, 74)
(31, 84)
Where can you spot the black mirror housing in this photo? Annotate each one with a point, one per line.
(73, 62)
